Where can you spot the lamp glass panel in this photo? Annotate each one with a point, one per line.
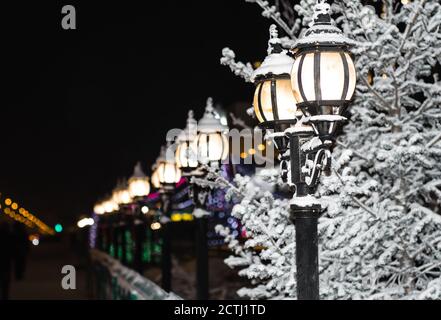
(256, 104)
(171, 174)
(155, 179)
(332, 75)
(265, 99)
(295, 82)
(211, 146)
(308, 83)
(186, 155)
(226, 149)
(352, 77)
(286, 102)
(160, 170)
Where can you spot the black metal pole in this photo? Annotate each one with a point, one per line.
(202, 276)
(138, 231)
(166, 248)
(124, 243)
(115, 239)
(305, 219)
(307, 255)
(140, 237)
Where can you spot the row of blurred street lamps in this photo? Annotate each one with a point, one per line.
(186, 154)
(300, 100)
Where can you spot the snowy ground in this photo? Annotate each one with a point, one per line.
(224, 282)
(43, 275)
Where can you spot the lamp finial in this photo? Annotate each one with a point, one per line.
(322, 12)
(137, 171)
(274, 43)
(209, 107)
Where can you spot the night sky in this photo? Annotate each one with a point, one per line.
(80, 107)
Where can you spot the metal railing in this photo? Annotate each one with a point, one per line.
(113, 281)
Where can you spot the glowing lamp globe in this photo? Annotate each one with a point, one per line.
(155, 178)
(110, 206)
(139, 185)
(274, 102)
(323, 76)
(99, 209)
(168, 173)
(186, 151)
(212, 140)
(121, 194)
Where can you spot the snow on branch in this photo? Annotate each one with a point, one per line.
(239, 68)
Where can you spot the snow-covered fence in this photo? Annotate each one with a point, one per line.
(113, 281)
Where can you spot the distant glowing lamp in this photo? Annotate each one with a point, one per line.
(212, 140)
(139, 185)
(186, 151)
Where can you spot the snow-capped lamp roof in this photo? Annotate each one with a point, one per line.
(210, 121)
(189, 133)
(278, 62)
(322, 32)
(138, 172)
(160, 158)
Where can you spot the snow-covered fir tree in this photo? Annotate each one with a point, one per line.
(380, 235)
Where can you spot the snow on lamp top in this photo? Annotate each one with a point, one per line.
(189, 133)
(278, 62)
(322, 32)
(210, 121)
(137, 171)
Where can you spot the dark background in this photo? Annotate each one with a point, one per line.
(80, 107)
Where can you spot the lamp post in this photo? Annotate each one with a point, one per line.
(121, 197)
(101, 244)
(110, 207)
(323, 78)
(200, 144)
(165, 176)
(139, 187)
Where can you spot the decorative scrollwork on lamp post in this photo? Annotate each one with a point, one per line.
(323, 78)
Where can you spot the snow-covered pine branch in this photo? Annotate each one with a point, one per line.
(380, 237)
(239, 68)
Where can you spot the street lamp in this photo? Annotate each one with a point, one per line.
(323, 77)
(274, 101)
(323, 81)
(99, 208)
(121, 196)
(139, 185)
(107, 227)
(165, 176)
(167, 171)
(138, 188)
(205, 145)
(212, 141)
